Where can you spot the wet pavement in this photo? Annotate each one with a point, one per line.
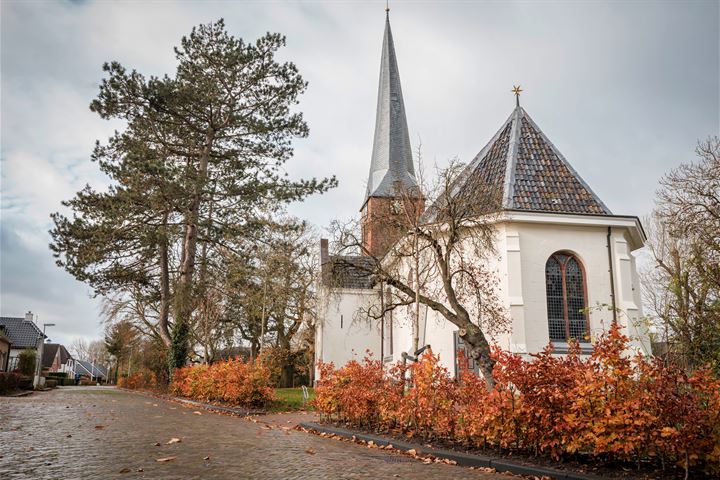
(104, 433)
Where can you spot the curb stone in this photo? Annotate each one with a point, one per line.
(462, 459)
(21, 394)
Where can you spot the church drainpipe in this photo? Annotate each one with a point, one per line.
(382, 323)
(612, 275)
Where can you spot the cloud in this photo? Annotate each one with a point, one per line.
(29, 280)
(624, 90)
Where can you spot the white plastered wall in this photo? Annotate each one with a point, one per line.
(437, 331)
(523, 248)
(537, 242)
(343, 333)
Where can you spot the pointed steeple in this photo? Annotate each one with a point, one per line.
(392, 164)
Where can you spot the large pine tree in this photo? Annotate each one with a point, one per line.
(202, 154)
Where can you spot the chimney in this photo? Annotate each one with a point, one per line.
(323, 251)
(324, 260)
(29, 316)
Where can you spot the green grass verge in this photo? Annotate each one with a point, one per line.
(289, 399)
(88, 391)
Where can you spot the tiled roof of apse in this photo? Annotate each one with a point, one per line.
(533, 173)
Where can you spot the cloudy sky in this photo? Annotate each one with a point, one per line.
(623, 89)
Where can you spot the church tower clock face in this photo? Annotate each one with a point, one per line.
(396, 207)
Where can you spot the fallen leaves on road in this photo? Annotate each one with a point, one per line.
(173, 440)
(311, 451)
(157, 444)
(412, 452)
(99, 427)
(165, 459)
(206, 458)
(197, 413)
(124, 470)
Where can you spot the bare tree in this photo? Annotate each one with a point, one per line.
(443, 260)
(682, 287)
(79, 348)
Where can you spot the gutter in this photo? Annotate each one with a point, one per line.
(612, 275)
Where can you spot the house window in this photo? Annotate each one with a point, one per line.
(565, 283)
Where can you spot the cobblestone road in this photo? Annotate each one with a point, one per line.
(76, 433)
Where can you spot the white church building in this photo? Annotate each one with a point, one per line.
(560, 252)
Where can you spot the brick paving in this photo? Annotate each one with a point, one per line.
(74, 433)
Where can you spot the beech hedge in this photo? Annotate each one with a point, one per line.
(603, 406)
(233, 381)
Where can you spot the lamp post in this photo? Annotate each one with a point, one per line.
(41, 348)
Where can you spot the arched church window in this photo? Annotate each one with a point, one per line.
(565, 284)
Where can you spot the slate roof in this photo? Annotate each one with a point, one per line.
(392, 164)
(348, 272)
(83, 367)
(49, 352)
(22, 334)
(533, 173)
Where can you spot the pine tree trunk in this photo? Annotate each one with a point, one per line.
(183, 301)
(164, 285)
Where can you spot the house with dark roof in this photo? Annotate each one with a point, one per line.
(559, 250)
(23, 333)
(56, 358)
(90, 369)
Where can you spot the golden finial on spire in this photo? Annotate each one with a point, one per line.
(516, 90)
(387, 6)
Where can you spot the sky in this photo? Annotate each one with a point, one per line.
(623, 89)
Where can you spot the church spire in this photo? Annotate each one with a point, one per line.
(392, 164)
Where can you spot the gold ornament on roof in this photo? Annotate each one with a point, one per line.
(517, 90)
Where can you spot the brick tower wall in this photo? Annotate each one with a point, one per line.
(383, 223)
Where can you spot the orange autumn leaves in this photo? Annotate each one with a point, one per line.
(605, 404)
(233, 381)
(139, 380)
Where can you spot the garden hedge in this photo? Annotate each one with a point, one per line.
(606, 406)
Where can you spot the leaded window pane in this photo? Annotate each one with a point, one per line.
(565, 298)
(556, 315)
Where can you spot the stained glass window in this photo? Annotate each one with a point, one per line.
(565, 284)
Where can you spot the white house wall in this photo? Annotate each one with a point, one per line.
(628, 294)
(343, 333)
